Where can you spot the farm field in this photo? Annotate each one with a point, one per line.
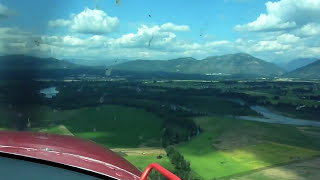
(216, 153)
(142, 157)
(209, 160)
(305, 170)
(134, 120)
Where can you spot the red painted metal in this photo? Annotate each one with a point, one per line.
(160, 169)
(69, 151)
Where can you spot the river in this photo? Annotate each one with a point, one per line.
(272, 117)
(49, 92)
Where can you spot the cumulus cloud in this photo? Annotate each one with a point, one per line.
(284, 14)
(165, 45)
(94, 22)
(270, 46)
(265, 22)
(289, 29)
(89, 22)
(155, 37)
(4, 11)
(15, 41)
(288, 38)
(310, 29)
(173, 27)
(87, 38)
(217, 43)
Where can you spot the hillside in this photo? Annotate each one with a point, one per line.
(310, 71)
(96, 62)
(297, 63)
(21, 67)
(230, 64)
(21, 62)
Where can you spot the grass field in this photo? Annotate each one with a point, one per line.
(209, 162)
(142, 157)
(61, 129)
(217, 106)
(305, 170)
(142, 161)
(116, 126)
(110, 126)
(241, 145)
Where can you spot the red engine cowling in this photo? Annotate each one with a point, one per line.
(73, 152)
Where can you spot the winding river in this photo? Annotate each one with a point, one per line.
(272, 117)
(49, 92)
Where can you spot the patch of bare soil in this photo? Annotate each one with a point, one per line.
(307, 170)
(233, 139)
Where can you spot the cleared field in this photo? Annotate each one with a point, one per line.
(307, 170)
(61, 129)
(142, 157)
(140, 151)
(141, 162)
(208, 162)
(116, 126)
(110, 126)
(215, 164)
(4, 129)
(225, 147)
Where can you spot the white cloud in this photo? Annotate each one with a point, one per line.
(165, 45)
(279, 52)
(59, 23)
(173, 27)
(288, 38)
(216, 43)
(94, 22)
(310, 29)
(155, 37)
(89, 22)
(4, 11)
(154, 42)
(284, 14)
(270, 46)
(289, 29)
(265, 22)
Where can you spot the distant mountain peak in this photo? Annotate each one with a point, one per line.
(239, 63)
(297, 63)
(30, 62)
(183, 59)
(310, 71)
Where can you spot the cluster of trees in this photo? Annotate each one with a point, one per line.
(315, 98)
(182, 167)
(178, 125)
(302, 90)
(22, 98)
(307, 112)
(245, 97)
(178, 130)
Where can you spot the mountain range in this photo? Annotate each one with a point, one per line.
(310, 71)
(22, 62)
(297, 63)
(26, 67)
(99, 62)
(230, 64)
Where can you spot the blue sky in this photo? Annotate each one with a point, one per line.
(101, 29)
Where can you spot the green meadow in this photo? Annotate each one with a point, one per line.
(126, 130)
(209, 162)
(116, 126)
